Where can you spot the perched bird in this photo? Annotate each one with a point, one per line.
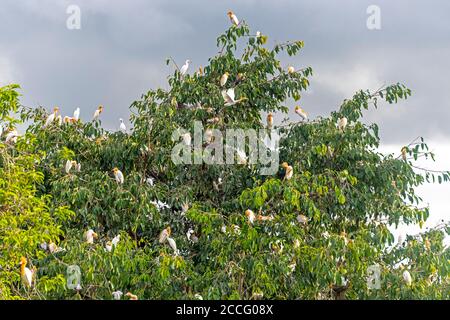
(250, 216)
(69, 165)
(90, 235)
(122, 127)
(187, 139)
(184, 207)
(59, 120)
(400, 239)
(260, 217)
(407, 277)
(150, 181)
(67, 120)
(98, 112)
(214, 120)
(51, 117)
(209, 136)
(26, 274)
(185, 67)
(269, 121)
(12, 136)
(342, 123)
(115, 240)
(173, 245)
(117, 295)
(291, 69)
(229, 97)
(302, 219)
(258, 34)
(119, 176)
(108, 246)
(224, 79)
(53, 248)
(289, 171)
(132, 296)
(404, 153)
(427, 244)
(216, 185)
(302, 113)
(191, 236)
(164, 235)
(76, 114)
(233, 18)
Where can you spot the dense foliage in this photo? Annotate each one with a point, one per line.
(328, 224)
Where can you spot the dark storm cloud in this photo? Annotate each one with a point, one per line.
(119, 53)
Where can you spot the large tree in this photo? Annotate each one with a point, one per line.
(328, 224)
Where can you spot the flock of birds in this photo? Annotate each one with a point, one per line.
(28, 276)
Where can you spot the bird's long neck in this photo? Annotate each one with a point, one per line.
(22, 268)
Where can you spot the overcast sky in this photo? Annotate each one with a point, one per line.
(120, 53)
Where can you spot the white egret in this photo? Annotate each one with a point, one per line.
(291, 69)
(115, 240)
(76, 114)
(122, 127)
(132, 296)
(224, 79)
(90, 235)
(185, 67)
(289, 171)
(119, 176)
(173, 245)
(342, 123)
(407, 277)
(69, 165)
(229, 97)
(302, 219)
(117, 295)
(98, 112)
(269, 121)
(12, 136)
(187, 138)
(164, 235)
(302, 113)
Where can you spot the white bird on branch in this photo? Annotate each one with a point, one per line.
(302, 113)
(51, 117)
(122, 127)
(224, 79)
(118, 175)
(76, 114)
(27, 275)
(342, 123)
(12, 136)
(90, 235)
(98, 112)
(229, 97)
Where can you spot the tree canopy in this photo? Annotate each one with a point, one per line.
(314, 236)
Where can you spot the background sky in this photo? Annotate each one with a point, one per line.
(120, 53)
